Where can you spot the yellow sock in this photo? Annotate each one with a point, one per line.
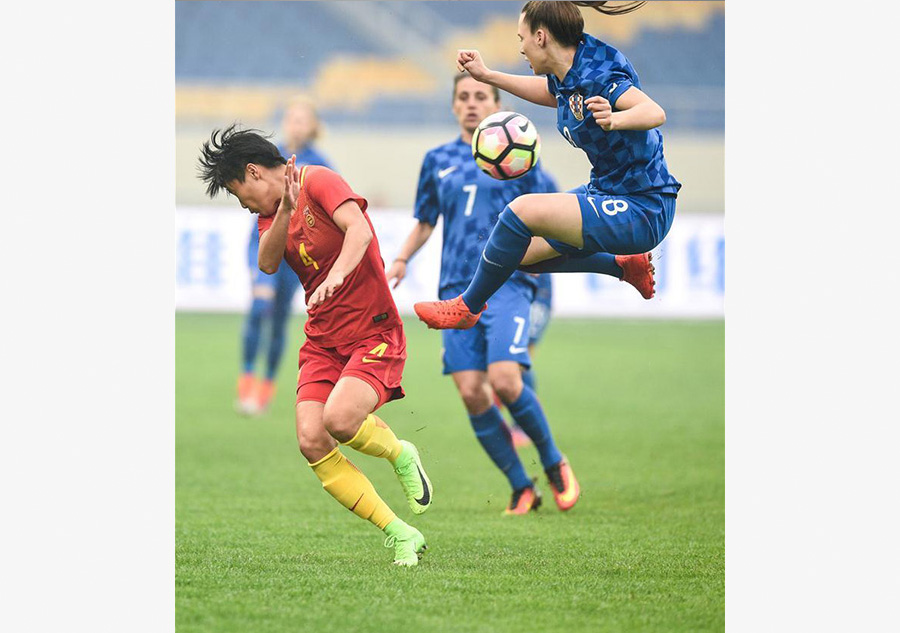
(353, 490)
(376, 438)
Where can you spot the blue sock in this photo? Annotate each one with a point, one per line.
(503, 252)
(491, 431)
(529, 379)
(253, 332)
(603, 263)
(281, 313)
(528, 414)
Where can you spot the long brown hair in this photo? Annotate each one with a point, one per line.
(563, 19)
(613, 8)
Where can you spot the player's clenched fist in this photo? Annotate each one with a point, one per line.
(469, 60)
(602, 111)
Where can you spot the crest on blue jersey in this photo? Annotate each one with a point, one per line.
(576, 105)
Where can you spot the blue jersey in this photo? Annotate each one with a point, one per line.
(306, 156)
(452, 185)
(622, 161)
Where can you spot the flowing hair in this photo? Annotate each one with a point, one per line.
(564, 20)
(613, 8)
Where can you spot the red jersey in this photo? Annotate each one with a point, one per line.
(363, 304)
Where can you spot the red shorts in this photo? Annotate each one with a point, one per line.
(378, 360)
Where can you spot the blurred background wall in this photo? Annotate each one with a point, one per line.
(381, 75)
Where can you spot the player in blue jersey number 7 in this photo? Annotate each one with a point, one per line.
(627, 207)
(490, 356)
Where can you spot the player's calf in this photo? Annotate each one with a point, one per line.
(374, 437)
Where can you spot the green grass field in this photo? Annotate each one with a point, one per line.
(637, 406)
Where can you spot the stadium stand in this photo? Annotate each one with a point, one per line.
(392, 59)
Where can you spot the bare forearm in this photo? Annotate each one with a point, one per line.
(415, 240)
(273, 241)
(643, 116)
(530, 88)
(356, 241)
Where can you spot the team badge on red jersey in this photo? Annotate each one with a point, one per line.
(576, 105)
(308, 216)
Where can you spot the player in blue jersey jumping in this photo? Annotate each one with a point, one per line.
(273, 294)
(607, 226)
(488, 357)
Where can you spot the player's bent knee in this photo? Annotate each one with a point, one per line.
(521, 203)
(341, 422)
(475, 396)
(477, 402)
(314, 446)
(508, 386)
(526, 206)
(264, 293)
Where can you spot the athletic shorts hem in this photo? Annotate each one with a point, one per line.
(385, 394)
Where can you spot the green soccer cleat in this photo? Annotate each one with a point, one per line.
(407, 541)
(415, 482)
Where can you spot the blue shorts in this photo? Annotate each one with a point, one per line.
(500, 334)
(284, 282)
(541, 308)
(620, 224)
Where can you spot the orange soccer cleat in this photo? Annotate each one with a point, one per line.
(564, 485)
(246, 390)
(264, 394)
(524, 501)
(638, 271)
(452, 314)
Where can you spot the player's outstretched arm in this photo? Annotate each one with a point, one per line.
(530, 88)
(357, 236)
(414, 241)
(273, 241)
(634, 111)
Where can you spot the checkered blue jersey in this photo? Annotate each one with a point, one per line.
(452, 185)
(622, 161)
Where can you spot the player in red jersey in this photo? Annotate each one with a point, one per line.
(355, 349)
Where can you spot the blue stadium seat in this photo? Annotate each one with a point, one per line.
(289, 43)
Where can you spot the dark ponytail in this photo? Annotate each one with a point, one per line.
(617, 8)
(563, 19)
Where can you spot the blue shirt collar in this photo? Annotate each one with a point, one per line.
(574, 75)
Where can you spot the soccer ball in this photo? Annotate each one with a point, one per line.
(506, 145)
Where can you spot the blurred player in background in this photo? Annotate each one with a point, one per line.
(490, 356)
(273, 294)
(541, 310)
(355, 349)
(607, 226)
